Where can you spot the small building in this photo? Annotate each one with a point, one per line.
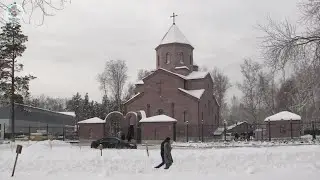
(284, 124)
(157, 127)
(93, 128)
(240, 128)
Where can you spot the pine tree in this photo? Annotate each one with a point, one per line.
(75, 104)
(12, 46)
(86, 107)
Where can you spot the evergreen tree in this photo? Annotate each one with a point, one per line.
(12, 46)
(75, 104)
(86, 107)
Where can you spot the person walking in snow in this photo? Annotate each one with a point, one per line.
(165, 152)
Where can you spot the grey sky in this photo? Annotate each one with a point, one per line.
(71, 48)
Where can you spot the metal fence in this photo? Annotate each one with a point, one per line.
(187, 133)
(41, 132)
(260, 132)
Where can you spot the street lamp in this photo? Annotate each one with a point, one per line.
(202, 130)
(187, 125)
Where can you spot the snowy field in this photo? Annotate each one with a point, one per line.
(63, 161)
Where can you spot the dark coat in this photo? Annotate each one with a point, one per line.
(167, 153)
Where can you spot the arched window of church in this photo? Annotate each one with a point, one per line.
(190, 59)
(158, 60)
(168, 58)
(160, 111)
(180, 57)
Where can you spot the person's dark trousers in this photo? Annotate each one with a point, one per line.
(162, 163)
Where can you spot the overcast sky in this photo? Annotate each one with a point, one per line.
(70, 49)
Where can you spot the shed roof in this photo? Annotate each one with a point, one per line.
(283, 116)
(94, 120)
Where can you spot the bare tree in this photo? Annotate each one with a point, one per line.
(30, 7)
(249, 87)
(142, 73)
(220, 86)
(114, 78)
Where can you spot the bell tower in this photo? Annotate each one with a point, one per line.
(175, 53)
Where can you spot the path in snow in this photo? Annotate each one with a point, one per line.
(63, 161)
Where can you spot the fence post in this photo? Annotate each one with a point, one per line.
(291, 133)
(174, 131)
(29, 132)
(63, 133)
(202, 130)
(187, 125)
(139, 134)
(47, 131)
(225, 131)
(269, 129)
(313, 131)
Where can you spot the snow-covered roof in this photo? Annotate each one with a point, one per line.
(284, 115)
(132, 97)
(94, 120)
(158, 118)
(140, 82)
(182, 67)
(195, 93)
(218, 131)
(235, 125)
(192, 75)
(197, 75)
(174, 35)
(69, 113)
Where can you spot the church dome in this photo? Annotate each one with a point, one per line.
(174, 35)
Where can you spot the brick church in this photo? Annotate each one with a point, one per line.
(177, 90)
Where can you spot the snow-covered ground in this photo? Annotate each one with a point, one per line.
(63, 161)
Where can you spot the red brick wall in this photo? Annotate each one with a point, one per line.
(282, 129)
(171, 94)
(97, 131)
(173, 49)
(156, 131)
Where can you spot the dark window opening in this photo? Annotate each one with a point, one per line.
(148, 110)
(172, 109)
(158, 60)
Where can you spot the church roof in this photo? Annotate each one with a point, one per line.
(197, 75)
(197, 93)
(158, 118)
(174, 35)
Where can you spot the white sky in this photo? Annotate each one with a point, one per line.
(70, 49)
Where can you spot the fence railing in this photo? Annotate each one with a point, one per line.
(187, 133)
(39, 132)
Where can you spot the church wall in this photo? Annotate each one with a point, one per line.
(138, 88)
(170, 94)
(174, 49)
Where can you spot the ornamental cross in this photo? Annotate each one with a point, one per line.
(174, 18)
